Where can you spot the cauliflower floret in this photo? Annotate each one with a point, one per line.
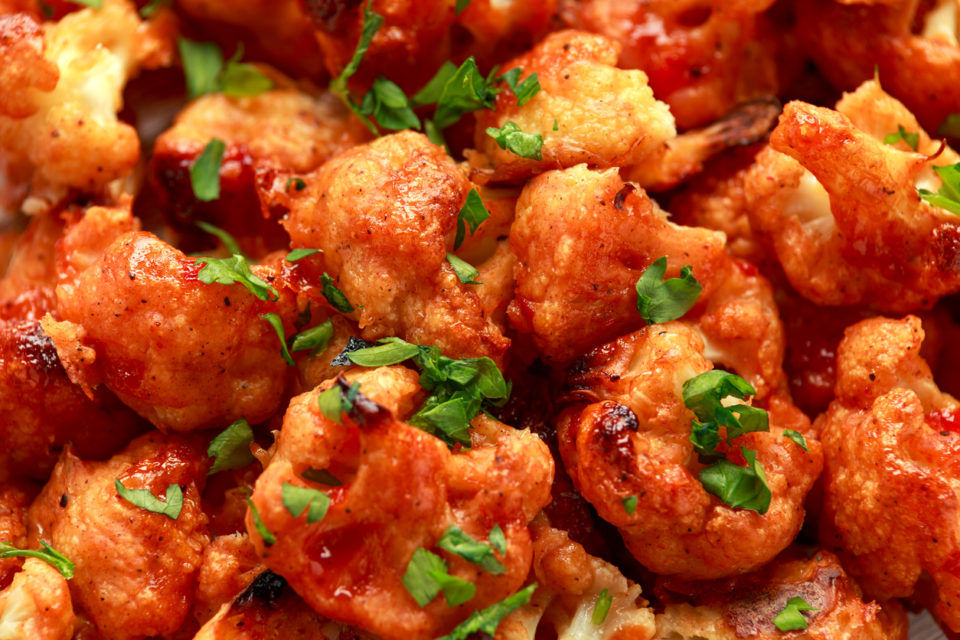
(385, 216)
(36, 605)
(183, 354)
(135, 570)
(841, 209)
(587, 111)
(401, 489)
(270, 139)
(60, 131)
(892, 479)
(627, 433)
(703, 58)
(582, 239)
(746, 606)
(15, 497)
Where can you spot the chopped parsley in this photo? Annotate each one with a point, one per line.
(153, 6)
(235, 270)
(205, 171)
(526, 89)
(242, 80)
(457, 541)
(660, 300)
(299, 254)
(48, 554)
(912, 139)
(371, 24)
(629, 504)
(601, 608)
(228, 241)
(313, 339)
(461, 7)
(296, 500)
(297, 183)
(487, 620)
(146, 500)
(472, 214)
(790, 619)
(277, 323)
(265, 533)
(511, 138)
(334, 296)
(465, 90)
(230, 449)
(739, 487)
(498, 540)
(951, 126)
(948, 195)
(205, 71)
(796, 437)
(466, 272)
(387, 103)
(93, 4)
(427, 575)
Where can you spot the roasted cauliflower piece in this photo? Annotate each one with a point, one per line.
(401, 489)
(15, 497)
(36, 605)
(183, 354)
(912, 45)
(582, 239)
(135, 569)
(270, 139)
(587, 111)
(702, 58)
(627, 432)
(841, 209)
(891, 477)
(63, 84)
(746, 606)
(385, 216)
(571, 583)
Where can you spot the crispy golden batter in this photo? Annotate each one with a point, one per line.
(891, 442)
(36, 605)
(746, 606)
(702, 58)
(385, 215)
(60, 131)
(569, 585)
(270, 138)
(15, 497)
(841, 210)
(628, 433)
(582, 239)
(401, 489)
(587, 111)
(135, 570)
(183, 354)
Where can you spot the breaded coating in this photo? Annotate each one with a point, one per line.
(230, 564)
(569, 586)
(745, 607)
(912, 45)
(841, 209)
(135, 570)
(183, 354)
(270, 139)
(627, 433)
(385, 216)
(702, 58)
(15, 497)
(891, 442)
(582, 239)
(60, 131)
(36, 605)
(401, 488)
(587, 111)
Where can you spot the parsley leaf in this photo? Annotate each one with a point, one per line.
(93, 4)
(242, 80)
(277, 323)
(704, 395)
(459, 542)
(465, 271)
(146, 500)
(299, 254)
(229, 242)
(948, 196)
(740, 487)
(371, 24)
(461, 7)
(426, 576)
(497, 540)
(487, 620)
(333, 295)
(951, 126)
(660, 300)
(230, 449)
(387, 103)
(297, 183)
(432, 90)
(202, 63)
(912, 139)
(339, 399)
(48, 554)
(465, 91)
(235, 270)
(205, 171)
(313, 339)
(296, 500)
(601, 608)
(629, 504)
(526, 89)
(152, 7)
(389, 351)
(796, 437)
(268, 537)
(790, 619)
(525, 145)
(472, 214)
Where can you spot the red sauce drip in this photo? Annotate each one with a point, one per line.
(944, 419)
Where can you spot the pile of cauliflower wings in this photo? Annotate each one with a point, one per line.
(465, 319)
